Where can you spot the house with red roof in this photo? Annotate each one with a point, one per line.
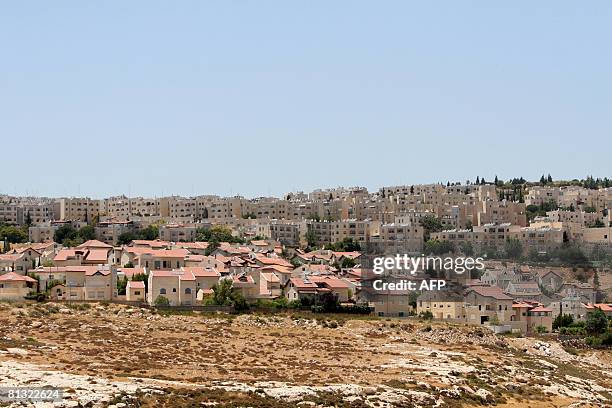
(311, 288)
(19, 262)
(81, 282)
(182, 286)
(135, 291)
(82, 256)
(605, 307)
(15, 287)
(484, 304)
(161, 259)
(529, 315)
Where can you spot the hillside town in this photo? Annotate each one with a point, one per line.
(547, 248)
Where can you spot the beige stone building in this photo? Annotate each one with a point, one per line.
(15, 287)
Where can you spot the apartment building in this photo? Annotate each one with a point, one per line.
(179, 208)
(223, 208)
(109, 231)
(44, 232)
(178, 232)
(497, 212)
(267, 208)
(398, 239)
(11, 213)
(116, 207)
(80, 209)
(290, 233)
(331, 232)
(541, 239)
(144, 207)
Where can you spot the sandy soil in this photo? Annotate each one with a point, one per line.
(295, 359)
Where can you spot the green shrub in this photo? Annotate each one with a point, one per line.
(162, 301)
(593, 341)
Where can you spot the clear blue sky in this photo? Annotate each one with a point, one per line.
(262, 97)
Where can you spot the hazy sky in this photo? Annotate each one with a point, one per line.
(262, 97)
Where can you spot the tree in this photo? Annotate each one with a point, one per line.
(346, 245)
(150, 233)
(222, 292)
(435, 247)
(477, 180)
(125, 238)
(514, 248)
(28, 219)
(466, 248)
(224, 295)
(597, 322)
(348, 263)
(311, 238)
(212, 245)
(219, 233)
(6, 246)
(141, 277)
(87, 232)
(430, 224)
(12, 234)
(122, 285)
(564, 320)
(572, 255)
(63, 233)
(549, 179)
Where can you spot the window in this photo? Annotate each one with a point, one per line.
(173, 290)
(162, 291)
(188, 291)
(137, 293)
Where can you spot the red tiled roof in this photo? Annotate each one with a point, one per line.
(94, 243)
(136, 284)
(201, 272)
(605, 307)
(169, 253)
(490, 291)
(13, 277)
(129, 272)
(329, 281)
(300, 284)
(273, 261)
(541, 309)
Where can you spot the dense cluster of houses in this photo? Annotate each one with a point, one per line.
(507, 295)
(274, 263)
(518, 297)
(178, 272)
(384, 221)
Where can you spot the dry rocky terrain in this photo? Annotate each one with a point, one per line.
(114, 355)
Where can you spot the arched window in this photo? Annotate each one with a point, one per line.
(162, 291)
(188, 291)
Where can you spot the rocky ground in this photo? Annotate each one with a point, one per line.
(112, 355)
